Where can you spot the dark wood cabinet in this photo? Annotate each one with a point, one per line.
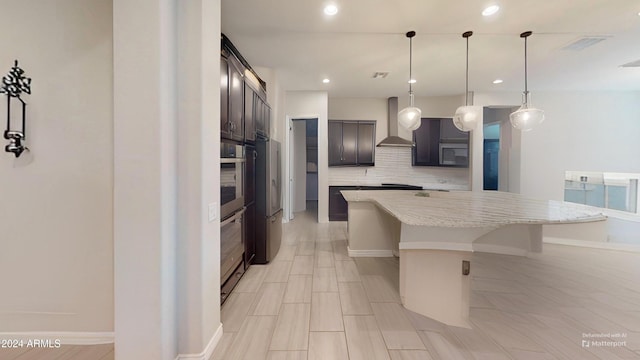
(249, 114)
(351, 143)
(236, 99)
(366, 143)
(435, 133)
(427, 141)
(338, 206)
(225, 129)
(262, 116)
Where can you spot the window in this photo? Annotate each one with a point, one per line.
(616, 191)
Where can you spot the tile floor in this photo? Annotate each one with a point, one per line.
(314, 302)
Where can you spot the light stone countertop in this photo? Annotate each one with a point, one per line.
(473, 209)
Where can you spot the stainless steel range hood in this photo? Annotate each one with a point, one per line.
(393, 139)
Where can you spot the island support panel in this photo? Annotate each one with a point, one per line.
(432, 284)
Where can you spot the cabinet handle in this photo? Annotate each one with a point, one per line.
(341, 152)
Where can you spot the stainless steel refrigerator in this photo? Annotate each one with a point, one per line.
(268, 200)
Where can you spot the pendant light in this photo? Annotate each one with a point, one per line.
(465, 117)
(527, 116)
(409, 117)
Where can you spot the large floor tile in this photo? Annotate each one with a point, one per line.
(278, 271)
(410, 355)
(268, 299)
(347, 271)
(396, 328)
(252, 279)
(252, 341)
(292, 328)
(235, 309)
(354, 299)
(364, 339)
(379, 289)
(326, 313)
(287, 355)
(302, 265)
(327, 346)
(324, 279)
(298, 289)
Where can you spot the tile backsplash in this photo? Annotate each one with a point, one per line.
(393, 165)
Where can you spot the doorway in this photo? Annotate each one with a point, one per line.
(501, 150)
(491, 151)
(303, 167)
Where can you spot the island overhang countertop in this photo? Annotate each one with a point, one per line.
(472, 208)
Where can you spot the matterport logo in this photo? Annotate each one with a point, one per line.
(610, 340)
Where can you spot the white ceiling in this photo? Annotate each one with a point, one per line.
(304, 45)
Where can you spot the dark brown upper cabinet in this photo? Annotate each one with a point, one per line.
(236, 99)
(439, 143)
(352, 143)
(249, 114)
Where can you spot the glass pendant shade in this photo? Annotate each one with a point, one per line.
(526, 117)
(409, 118)
(465, 118)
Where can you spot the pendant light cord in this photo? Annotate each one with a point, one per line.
(467, 35)
(410, 58)
(525, 66)
(410, 35)
(525, 35)
(466, 86)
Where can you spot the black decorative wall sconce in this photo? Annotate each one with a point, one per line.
(13, 85)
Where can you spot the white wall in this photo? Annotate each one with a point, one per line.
(361, 109)
(167, 253)
(309, 104)
(56, 208)
(584, 131)
(299, 157)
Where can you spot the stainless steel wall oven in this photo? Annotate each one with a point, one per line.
(232, 212)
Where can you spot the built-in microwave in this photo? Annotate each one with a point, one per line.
(232, 163)
(454, 154)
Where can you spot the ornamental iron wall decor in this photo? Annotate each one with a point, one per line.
(13, 85)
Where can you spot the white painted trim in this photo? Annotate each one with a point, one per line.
(498, 249)
(208, 350)
(65, 337)
(435, 245)
(369, 253)
(592, 244)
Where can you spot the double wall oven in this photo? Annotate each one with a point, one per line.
(232, 212)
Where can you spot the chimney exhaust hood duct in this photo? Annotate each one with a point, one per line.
(393, 139)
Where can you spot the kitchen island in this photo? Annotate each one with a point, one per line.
(435, 232)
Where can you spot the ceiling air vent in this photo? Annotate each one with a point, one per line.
(380, 75)
(584, 43)
(632, 64)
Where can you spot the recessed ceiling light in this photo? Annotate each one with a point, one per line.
(331, 9)
(412, 81)
(326, 81)
(497, 81)
(490, 10)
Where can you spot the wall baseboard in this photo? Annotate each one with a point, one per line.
(208, 350)
(498, 249)
(65, 337)
(369, 253)
(593, 244)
